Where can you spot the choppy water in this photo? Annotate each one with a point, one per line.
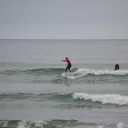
(35, 92)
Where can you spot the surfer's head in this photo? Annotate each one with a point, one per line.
(66, 58)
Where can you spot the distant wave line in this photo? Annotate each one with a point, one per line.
(103, 98)
(115, 99)
(77, 72)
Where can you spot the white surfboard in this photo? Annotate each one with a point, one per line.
(68, 75)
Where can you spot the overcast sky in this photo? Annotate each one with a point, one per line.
(63, 19)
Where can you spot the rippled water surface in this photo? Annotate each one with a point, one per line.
(35, 91)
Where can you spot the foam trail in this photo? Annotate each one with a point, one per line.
(83, 72)
(68, 75)
(101, 72)
(122, 125)
(27, 124)
(103, 98)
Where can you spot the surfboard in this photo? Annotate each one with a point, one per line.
(68, 74)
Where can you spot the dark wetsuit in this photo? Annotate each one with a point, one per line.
(68, 66)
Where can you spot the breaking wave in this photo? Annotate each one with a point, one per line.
(115, 99)
(85, 72)
(75, 71)
(59, 124)
(57, 75)
(103, 98)
(102, 72)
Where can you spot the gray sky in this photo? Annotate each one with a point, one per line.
(64, 19)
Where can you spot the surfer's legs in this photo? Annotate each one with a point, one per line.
(68, 67)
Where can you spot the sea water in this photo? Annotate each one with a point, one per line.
(34, 92)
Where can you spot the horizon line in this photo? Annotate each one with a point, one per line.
(57, 39)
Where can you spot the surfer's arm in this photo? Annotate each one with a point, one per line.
(63, 60)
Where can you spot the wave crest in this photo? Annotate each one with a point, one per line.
(103, 98)
(101, 72)
(84, 72)
(78, 72)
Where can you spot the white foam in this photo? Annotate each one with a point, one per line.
(103, 98)
(28, 124)
(100, 126)
(101, 72)
(68, 75)
(122, 125)
(83, 72)
(21, 125)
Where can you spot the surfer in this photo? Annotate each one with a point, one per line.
(117, 67)
(68, 65)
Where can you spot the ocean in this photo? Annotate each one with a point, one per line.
(35, 92)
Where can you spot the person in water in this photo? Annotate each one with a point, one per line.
(117, 67)
(69, 64)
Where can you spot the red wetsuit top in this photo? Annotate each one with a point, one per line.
(68, 61)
